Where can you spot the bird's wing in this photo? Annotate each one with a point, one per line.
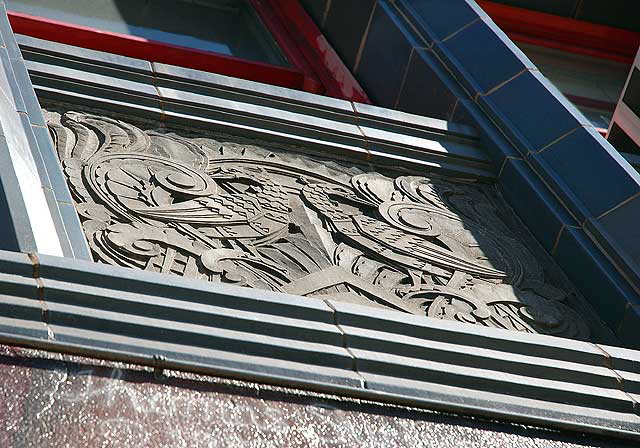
(207, 210)
(417, 247)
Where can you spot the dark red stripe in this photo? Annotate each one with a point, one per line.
(563, 33)
(149, 50)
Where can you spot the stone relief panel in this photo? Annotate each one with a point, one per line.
(249, 216)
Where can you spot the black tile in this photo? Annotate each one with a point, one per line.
(631, 95)
(438, 18)
(385, 57)
(620, 235)
(315, 8)
(461, 115)
(621, 141)
(588, 173)
(424, 91)
(531, 111)
(556, 7)
(606, 290)
(616, 13)
(482, 56)
(493, 141)
(628, 330)
(540, 212)
(346, 25)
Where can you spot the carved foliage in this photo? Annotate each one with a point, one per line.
(244, 215)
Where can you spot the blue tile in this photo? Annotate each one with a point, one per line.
(461, 115)
(588, 173)
(606, 290)
(493, 141)
(541, 213)
(482, 56)
(617, 232)
(345, 27)
(425, 90)
(531, 112)
(555, 185)
(440, 18)
(385, 56)
(629, 330)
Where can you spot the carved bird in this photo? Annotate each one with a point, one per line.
(225, 202)
(402, 233)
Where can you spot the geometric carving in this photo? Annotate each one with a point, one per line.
(283, 222)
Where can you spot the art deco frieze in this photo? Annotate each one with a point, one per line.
(285, 222)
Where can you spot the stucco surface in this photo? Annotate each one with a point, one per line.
(49, 400)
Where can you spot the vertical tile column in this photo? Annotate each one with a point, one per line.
(448, 60)
(36, 210)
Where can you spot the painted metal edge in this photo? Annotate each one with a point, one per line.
(39, 168)
(350, 377)
(186, 97)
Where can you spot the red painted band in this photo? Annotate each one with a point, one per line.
(337, 79)
(317, 67)
(137, 47)
(563, 33)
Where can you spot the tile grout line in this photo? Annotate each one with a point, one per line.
(454, 109)
(556, 140)
(33, 257)
(504, 163)
(154, 79)
(554, 194)
(613, 262)
(363, 40)
(364, 137)
(499, 85)
(404, 78)
(345, 345)
(464, 27)
(325, 13)
(428, 45)
(615, 207)
(556, 242)
(620, 380)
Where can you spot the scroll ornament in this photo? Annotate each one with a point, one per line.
(248, 216)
